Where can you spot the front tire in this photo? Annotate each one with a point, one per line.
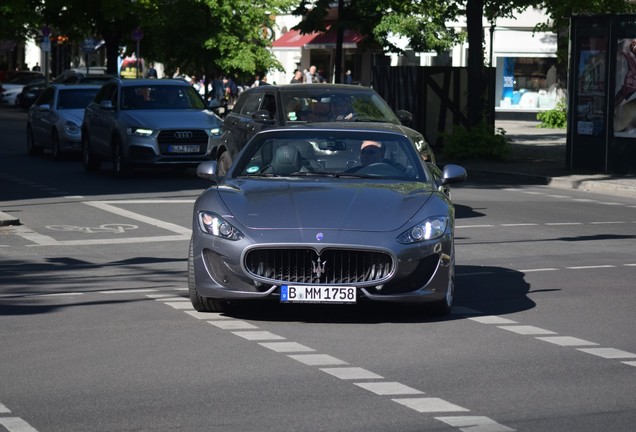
(120, 167)
(223, 165)
(57, 151)
(89, 160)
(32, 148)
(200, 304)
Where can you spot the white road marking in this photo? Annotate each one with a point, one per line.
(492, 319)
(351, 373)
(172, 299)
(630, 363)
(429, 405)
(258, 335)
(128, 291)
(207, 315)
(232, 325)
(558, 196)
(286, 347)
(107, 206)
(16, 424)
(4, 409)
(610, 203)
(563, 223)
(608, 353)
(388, 388)
(64, 294)
(590, 267)
(160, 296)
(527, 330)
(607, 223)
(474, 424)
(317, 359)
(519, 224)
(566, 341)
(181, 305)
(96, 242)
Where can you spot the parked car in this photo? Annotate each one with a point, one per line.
(268, 106)
(324, 213)
(55, 119)
(29, 94)
(148, 123)
(13, 86)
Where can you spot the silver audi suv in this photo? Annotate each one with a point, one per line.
(146, 123)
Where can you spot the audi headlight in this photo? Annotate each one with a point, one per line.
(142, 132)
(215, 225)
(216, 132)
(429, 229)
(71, 128)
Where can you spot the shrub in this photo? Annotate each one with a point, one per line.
(480, 142)
(555, 118)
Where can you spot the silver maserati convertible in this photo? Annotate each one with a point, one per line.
(330, 213)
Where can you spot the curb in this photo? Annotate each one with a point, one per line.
(6, 219)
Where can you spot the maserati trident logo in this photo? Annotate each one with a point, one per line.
(183, 134)
(318, 268)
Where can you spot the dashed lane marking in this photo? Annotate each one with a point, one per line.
(16, 424)
(342, 370)
(564, 341)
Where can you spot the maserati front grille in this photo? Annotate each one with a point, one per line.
(331, 267)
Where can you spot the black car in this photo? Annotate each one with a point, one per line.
(29, 94)
(268, 106)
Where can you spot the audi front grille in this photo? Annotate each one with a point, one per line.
(189, 137)
(331, 267)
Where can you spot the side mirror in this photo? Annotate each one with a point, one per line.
(106, 105)
(44, 107)
(262, 116)
(405, 117)
(453, 174)
(207, 170)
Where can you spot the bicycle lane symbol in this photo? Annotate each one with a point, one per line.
(105, 228)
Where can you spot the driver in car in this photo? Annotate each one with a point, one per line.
(370, 152)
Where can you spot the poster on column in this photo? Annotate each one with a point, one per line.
(625, 97)
(590, 117)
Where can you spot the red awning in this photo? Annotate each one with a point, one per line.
(328, 40)
(293, 39)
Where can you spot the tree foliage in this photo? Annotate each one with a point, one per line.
(201, 36)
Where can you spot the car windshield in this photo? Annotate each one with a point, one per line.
(336, 106)
(342, 154)
(158, 97)
(75, 98)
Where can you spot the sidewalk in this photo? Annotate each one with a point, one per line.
(538, 156)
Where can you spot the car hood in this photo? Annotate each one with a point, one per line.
(173, 119)
(340, 205)
(74, 115)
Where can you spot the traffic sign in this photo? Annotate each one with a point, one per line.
(137, 34)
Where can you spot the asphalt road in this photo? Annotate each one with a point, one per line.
(96, 332)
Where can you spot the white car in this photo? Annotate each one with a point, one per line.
(10, 89)
(55, 118)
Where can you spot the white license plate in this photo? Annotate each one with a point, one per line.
(183, 148)
(317, 294)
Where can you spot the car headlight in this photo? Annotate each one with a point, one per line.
(216, 132)
(142, 132)
(429, 229)
(215, 225)
(71, 128)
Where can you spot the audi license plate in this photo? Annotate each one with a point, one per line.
(183, 148)
(317, 294)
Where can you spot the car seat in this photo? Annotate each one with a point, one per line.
(286, 160)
